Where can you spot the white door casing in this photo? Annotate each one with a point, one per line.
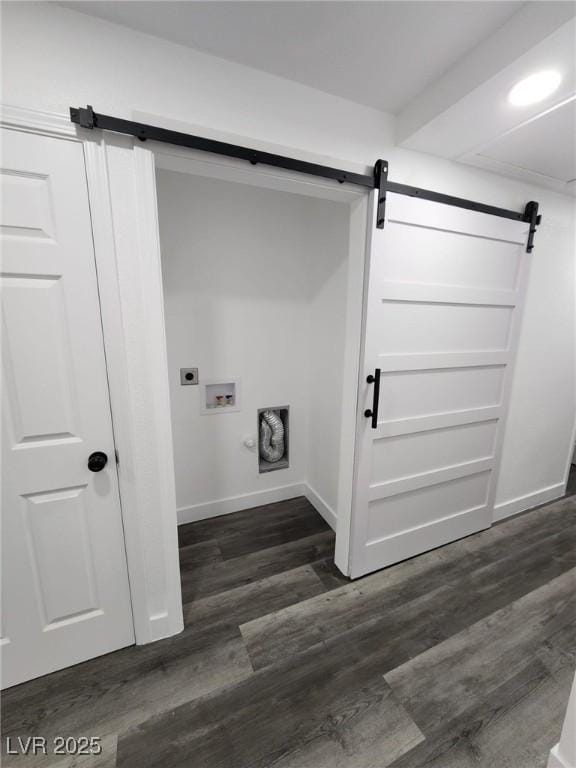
(65, 593)
(442, 314)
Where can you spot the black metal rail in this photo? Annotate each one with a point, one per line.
(89, 119)
(85, 117)
(458, 202)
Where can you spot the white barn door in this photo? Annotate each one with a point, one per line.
(443, 306)
(65, 595)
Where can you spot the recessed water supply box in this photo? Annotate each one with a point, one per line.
(273, 438)
(221, 396)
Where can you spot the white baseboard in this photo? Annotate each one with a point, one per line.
(237, 503)
(522, 503)
(320, 506)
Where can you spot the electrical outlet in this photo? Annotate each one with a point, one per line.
(188, 376)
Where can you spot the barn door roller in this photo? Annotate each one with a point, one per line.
(85, 117)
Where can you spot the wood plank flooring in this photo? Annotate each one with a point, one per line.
(460, 657)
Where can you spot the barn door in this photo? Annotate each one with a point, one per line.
(443, 307)
(65, 595)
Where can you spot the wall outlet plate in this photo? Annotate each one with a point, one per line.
(188, 376)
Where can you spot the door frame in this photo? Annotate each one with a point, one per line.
(201, 164)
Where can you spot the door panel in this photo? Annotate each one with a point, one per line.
(411, 508)
(445, 288)
(38, 359)
(64, 576)
(63, 566)
(413, 394)
(407, 524)
(437, 258)
(427, 451)
(423, 327)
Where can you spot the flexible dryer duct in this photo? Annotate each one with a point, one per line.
(271, 436)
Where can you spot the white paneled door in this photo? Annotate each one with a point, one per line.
(443, 307)
(65, 595)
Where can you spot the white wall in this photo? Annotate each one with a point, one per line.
(55, 58)
(539, 432)
(326, 335)
(254, 285)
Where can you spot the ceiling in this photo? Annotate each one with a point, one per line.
(544, 146)
(444, 68)
(380, 54)
(536, 143)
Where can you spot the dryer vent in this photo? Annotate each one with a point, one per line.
(273, 438)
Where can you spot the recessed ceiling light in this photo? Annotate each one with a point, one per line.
(534, 88)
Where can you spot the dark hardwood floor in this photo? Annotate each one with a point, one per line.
(461, 657)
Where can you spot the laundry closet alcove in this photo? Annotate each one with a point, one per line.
(262, 277)
(255, 286)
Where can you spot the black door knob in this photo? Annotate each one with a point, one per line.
(97, 461)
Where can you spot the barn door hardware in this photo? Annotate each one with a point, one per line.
(372, 413)
(380, 181)
(85, 117)
(532, 215)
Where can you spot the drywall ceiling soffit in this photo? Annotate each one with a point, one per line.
(535, 143)
(541, 151)
(533, 23)
(379, 54)
(540, 144)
